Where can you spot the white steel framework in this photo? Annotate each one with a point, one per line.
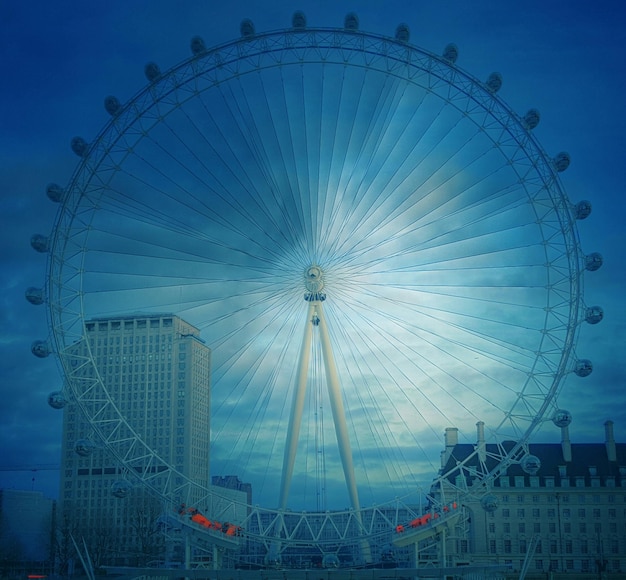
(397, 182)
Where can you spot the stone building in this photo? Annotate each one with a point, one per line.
(565, 514)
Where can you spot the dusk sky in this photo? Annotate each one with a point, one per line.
(60, 60)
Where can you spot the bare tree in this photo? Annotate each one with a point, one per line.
(149, 541)
(64, 552)
(100, 542)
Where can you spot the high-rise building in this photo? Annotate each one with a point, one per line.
(157, 370)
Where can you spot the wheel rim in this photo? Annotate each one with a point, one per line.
(415, 261)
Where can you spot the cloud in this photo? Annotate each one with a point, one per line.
(58, 90)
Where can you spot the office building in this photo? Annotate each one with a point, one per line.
(27, 521)
(157, 370)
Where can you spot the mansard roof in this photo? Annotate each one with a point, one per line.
(588, 460)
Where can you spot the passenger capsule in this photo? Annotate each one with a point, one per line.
(562, 161)
(39, 243)
(57, 400)
(55, 192)
(451, 53)
(562, 418)
(582, 209)
(594, 314)
(79, 146)
(403, 33)
(330, 561)
(197, 45)
(152, 71)
(351, 21)
(121, 488)
(298, 20)
(112, 105)
(34, 295)
(247, 28)
(489, 503)
(531, 464)
(593, 262)
(84, 447)
(531, 119)
(40, 349)
(583, 367)
(494, 82)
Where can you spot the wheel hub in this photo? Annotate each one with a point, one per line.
(314, 279)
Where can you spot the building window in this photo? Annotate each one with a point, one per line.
(585, 566)
(614, 546)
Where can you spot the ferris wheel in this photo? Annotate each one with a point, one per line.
(373, 244)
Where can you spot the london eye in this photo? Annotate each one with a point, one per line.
(374, 246)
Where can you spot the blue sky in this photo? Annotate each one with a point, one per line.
(60, 61)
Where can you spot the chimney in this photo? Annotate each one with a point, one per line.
(451, 438)
(566, 444)
(480, 441)
(610, 441)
